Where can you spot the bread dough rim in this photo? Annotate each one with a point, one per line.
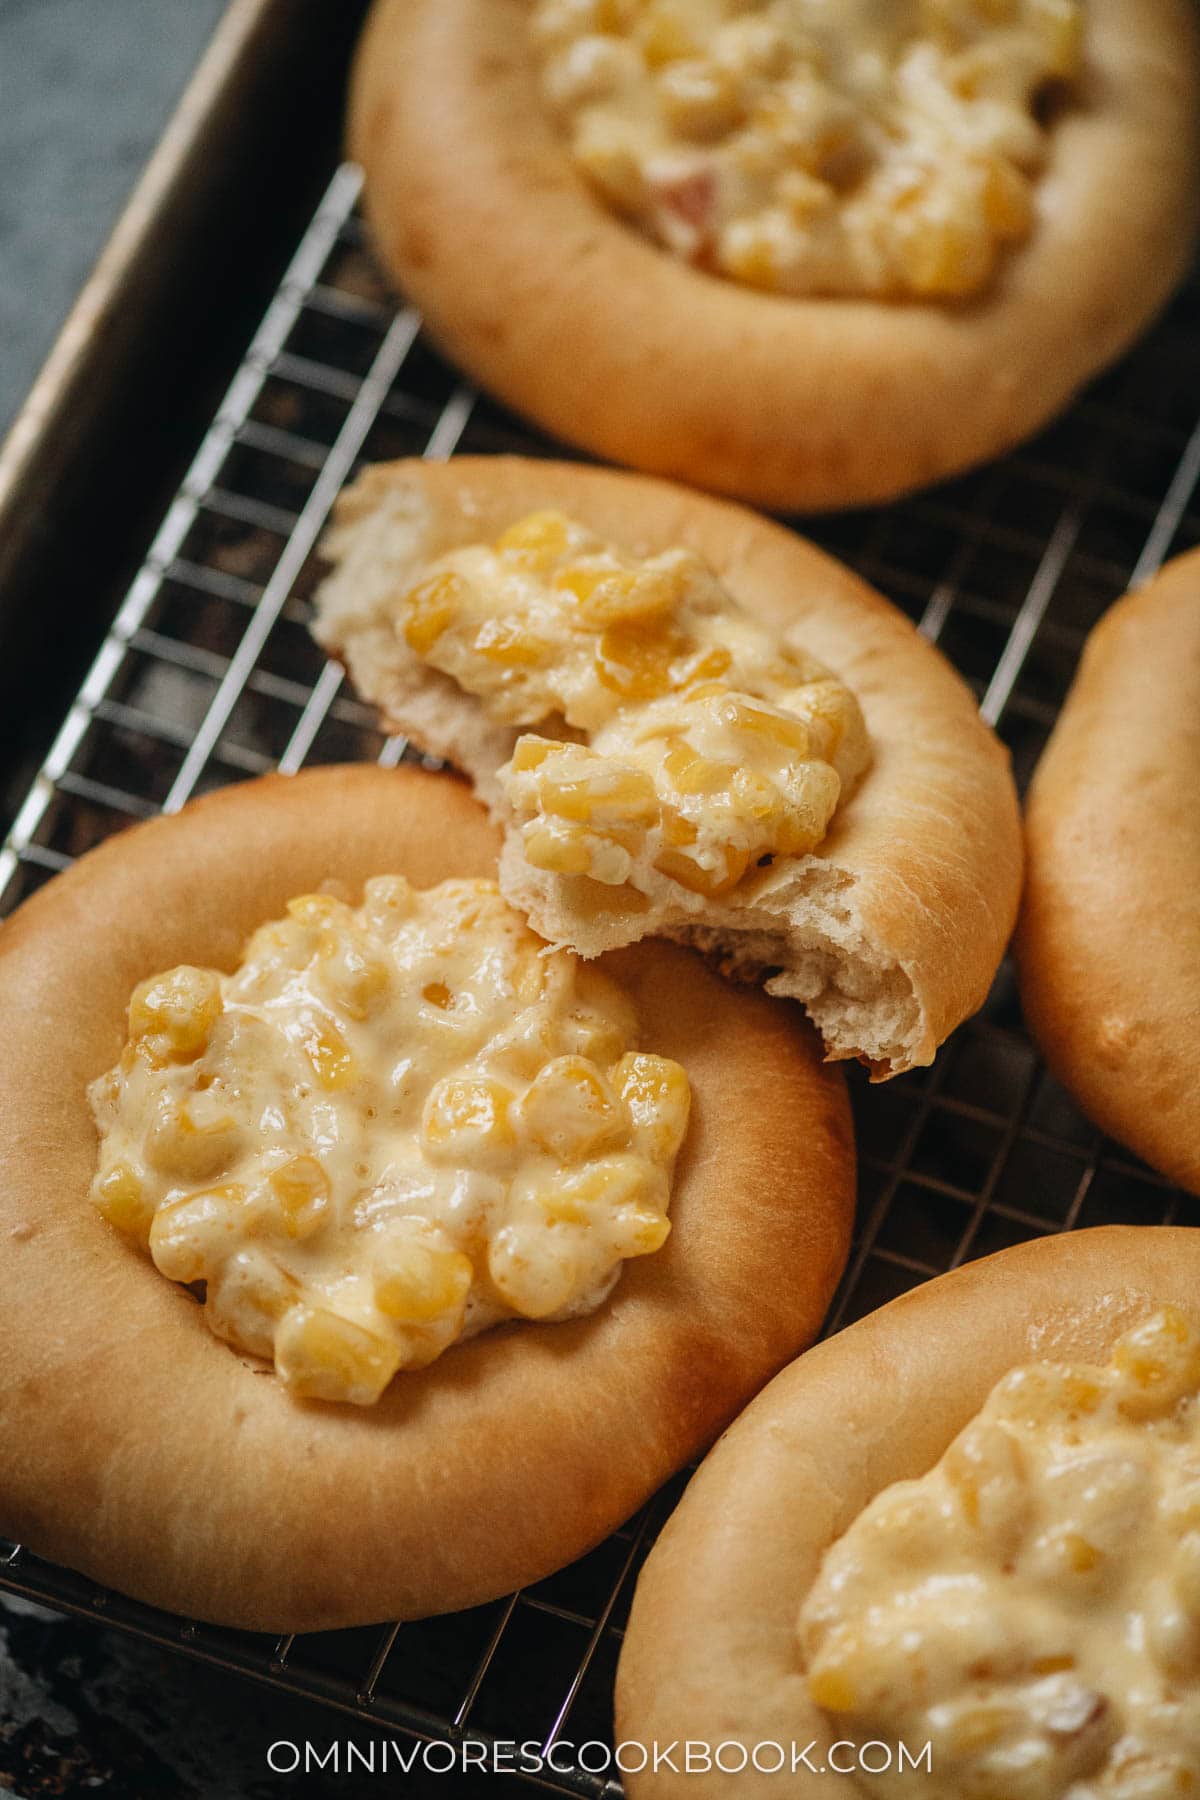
(711, 1650)
(154, 1459)
(1108, 946)
(931, 839)
(575, 320)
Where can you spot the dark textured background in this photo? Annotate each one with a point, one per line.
(86, 87)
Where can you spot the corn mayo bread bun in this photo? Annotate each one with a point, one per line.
(968, 1521)
(811, 256)
(145, 1452)
(692, 724)
(1109, 941)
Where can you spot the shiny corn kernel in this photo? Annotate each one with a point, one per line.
(707, 665)
(354, 976)
(1158, 1363)
(710, 882)
(530, 752)
(677, 828)
(557, 851)
(388, 898)
(700, 100)
(658, 1095)
(122, 1199)
(323, 1356)
(641, 1233)
(177, 1011)
(691, 773)
(605, 596)
(192, 1234)
(832, 1690)
(316, 909)
(468, 1118)
(945, 260)
(190, 1147)
(605, 789)
(301, 1190)
(328, 1052)
(568, 1109)
(538, 540)
(634, 659)
(421, 1282)
(505, 642)
(430, 608)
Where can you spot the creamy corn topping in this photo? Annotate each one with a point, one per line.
(391, 1127)
(1031, 1607)
(865, 147)
(701, 746)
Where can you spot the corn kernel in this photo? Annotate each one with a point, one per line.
(315, 909)
(301, 1189)
(664, 38)
(327, 1050)
(430, 608)
(568, 1109)
(323, 1356)
(436, 993)
(658, 1095)
(355, 977)
(700, 99)
(503, 641)
(177, 1010)
(641, 1233)
(184, 1232)
(1158, 1363)
(691, 773)
(185, 1147)
(606, 788)
(558, 851)
(421, 1283)
(634, 659)
(690, 874)
(611, 596)
(775, 727)
(468, 1118)
(538, 540)
(832, 1690)
(121, 1198)
(530, 752)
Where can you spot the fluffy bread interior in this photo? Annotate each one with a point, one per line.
(816, 930)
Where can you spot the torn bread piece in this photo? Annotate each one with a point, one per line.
(692, 725)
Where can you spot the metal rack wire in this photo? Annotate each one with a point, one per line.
(208, 675)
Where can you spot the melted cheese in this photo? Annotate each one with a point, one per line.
(868, 147)
(392, 1126)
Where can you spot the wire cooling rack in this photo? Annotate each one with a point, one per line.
(209, 675)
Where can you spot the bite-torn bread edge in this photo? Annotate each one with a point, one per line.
(145, 1452)
(712, 1650)
(1108, 945)
(891, 932)
(573, 317)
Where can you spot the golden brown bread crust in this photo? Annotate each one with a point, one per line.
(567, 313)
(1109, 942)
(920, 875)
(712, 1650)
(141, 1450)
